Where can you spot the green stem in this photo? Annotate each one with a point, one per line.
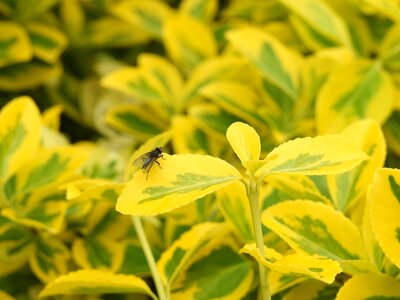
(253, 193)
(137, 223)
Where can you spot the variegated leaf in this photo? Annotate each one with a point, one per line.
(49, 259)
(204, 10)
(149, 15)
(14, 44)
(234, 206)
(322, 19)
(330, 154)
(188, 41)
(222, 268)
(19, 135)
(179, 180)
(358, 95)
(370, 286)
(315, 229)
(92, 282)
(275, 62)
(48, 43)
(346, 188)
(384, 210)
(27, 75)
(318, 268)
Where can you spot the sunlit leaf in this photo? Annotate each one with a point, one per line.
(230, 96)
(321, 18)
(315, 229)
(182, 179)
(244, 140)
(218, 68)
(52, 167)
(370, 286)
(149, 15)
(386, 8)
(165, 76)
(275, 62)
(188, 41)
(19, 134)
(366, 91)
(346, 188)
(234, 205)
(92, 282)
(313, 267)
(187, 137)
(384, 210)
(109, 32)
(204, 10)
(330, 154)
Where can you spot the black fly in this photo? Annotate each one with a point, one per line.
(147, 160)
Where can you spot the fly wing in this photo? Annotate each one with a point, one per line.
(142, 160)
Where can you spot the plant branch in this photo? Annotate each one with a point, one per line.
(253, 193)
(137, 223)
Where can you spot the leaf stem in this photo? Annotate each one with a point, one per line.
(253, 193)
(137, 223)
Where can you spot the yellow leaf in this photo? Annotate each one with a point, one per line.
(315, 267)
(165, 77)
(48, 42)
(330, 154)
(204, 10)
(244, 140)
(51, 117)
(14, 44)
(28, 75)
(176, 258)
(188, 41)
(354, 91)
(150, 15)
(230, 95)
(49, 259)
(275, 62)
(19, 134)
(213, 69)
(234, 206)
(346, 188)
(187, 137)
(315, 229)
(384, 210)
(182, 179)
(322, 18)
(370, 286)
(91, 282)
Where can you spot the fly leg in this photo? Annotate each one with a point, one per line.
(148, 169)
(158, 164)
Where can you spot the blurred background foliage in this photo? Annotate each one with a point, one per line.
(121, 72)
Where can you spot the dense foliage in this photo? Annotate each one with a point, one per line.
(280, 126)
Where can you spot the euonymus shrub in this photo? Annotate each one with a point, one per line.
(283, 214)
